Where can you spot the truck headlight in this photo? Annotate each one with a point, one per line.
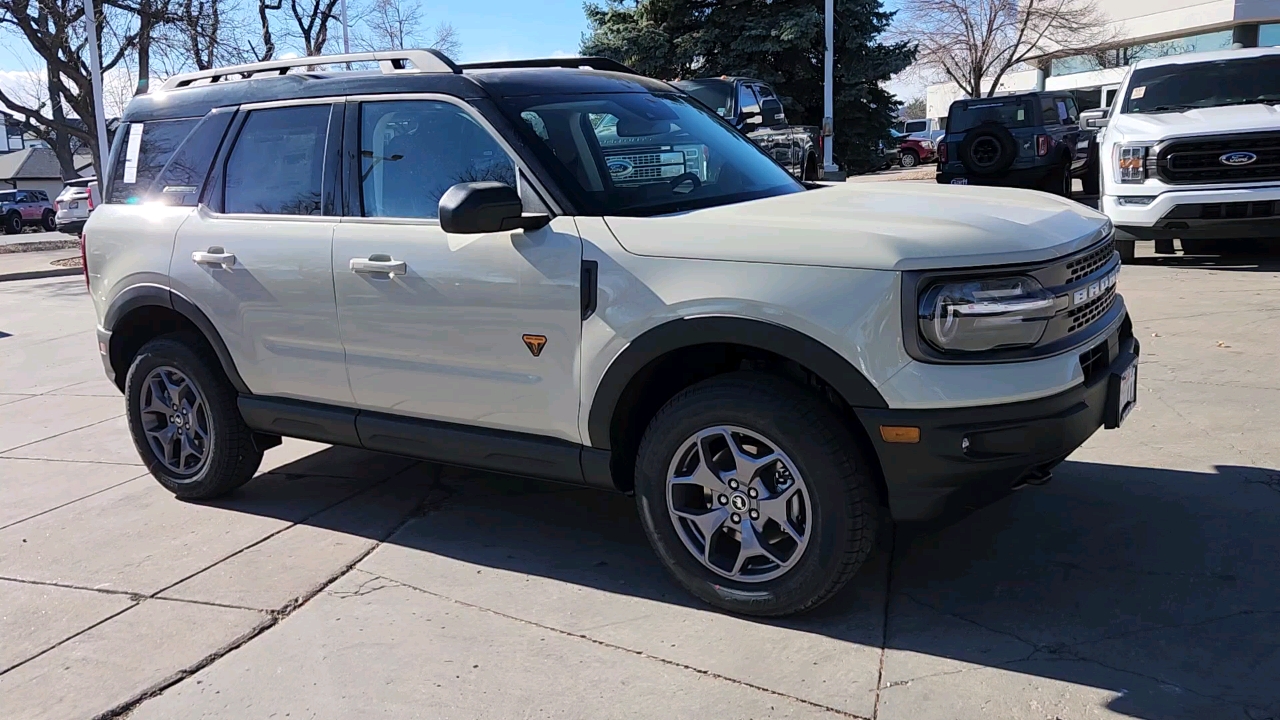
(985, 314)
(1131, 163)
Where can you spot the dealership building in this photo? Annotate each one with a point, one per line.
(1147, 29)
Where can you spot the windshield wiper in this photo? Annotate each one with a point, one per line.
(1260, 100)
(1169, 108)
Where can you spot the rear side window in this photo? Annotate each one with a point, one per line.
(147, 149)
(916, 126)
(184, 176)
(1009, 113)
(277, 164)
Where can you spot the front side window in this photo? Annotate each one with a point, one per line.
(413, 151)
(1190, 86)
(277, 164)
(645, 154)
(147, 148)
(8, 197)
(747, 100)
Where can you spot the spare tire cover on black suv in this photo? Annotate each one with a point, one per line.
(988, 149)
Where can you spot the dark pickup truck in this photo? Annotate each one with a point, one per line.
(754, 108)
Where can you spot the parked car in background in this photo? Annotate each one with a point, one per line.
(1192, 152)
(754, 108)
(1030, 140)
(911, 150)
(928, 129)
(73, 205)
(22, 208)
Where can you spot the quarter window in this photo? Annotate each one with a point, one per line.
(277, 164)
(147, 148)
(412, 152)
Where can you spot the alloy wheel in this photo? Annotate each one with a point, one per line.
(175, 420)
(739, 504)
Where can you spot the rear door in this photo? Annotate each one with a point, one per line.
(255, 254)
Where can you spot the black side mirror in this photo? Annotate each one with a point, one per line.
(485, 207)
(772, 112)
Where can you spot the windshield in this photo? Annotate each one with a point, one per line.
(1187, 86)
(641, 154)
(715, 94)
(1009, 113)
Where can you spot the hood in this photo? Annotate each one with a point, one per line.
(1218, 120)
(878, 226)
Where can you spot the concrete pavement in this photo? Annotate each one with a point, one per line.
(1143, 582)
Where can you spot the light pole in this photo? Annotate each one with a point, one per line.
(828, 109)
(95, 70)
(346, 39)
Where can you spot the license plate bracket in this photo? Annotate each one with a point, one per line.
(1122, 394)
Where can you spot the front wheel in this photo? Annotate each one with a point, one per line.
(1059, 181)
(184, 420)
(12, 224)
(909, 159)
(754, 495)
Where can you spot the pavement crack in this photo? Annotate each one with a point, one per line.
(58, 435)
(436, 495)
(611, 646)
(1034, 645)
(69, 502)
(884, 620)
(1169, 626)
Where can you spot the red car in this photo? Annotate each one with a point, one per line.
(19, 208)
(913, 151)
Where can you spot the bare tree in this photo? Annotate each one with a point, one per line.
(914, 108)
(976, 42)
(56, 33)
(312, 19)
(398, 24)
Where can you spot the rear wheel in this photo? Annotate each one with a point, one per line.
(810, 171)
(184, 420)
(12, 223)
(754, 495)
(1059, 181)
(1127, 249)
(1091, 182)
(49, 221)
(909, 159)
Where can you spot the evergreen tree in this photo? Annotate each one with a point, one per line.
(777, 41)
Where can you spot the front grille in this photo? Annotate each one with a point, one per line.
(1200, 160)
(1091, 260)
(1224, 211)
(1081, 316)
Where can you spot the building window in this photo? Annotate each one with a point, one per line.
(1125, 56)
(1269, 35)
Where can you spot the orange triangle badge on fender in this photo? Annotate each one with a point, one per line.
(535, 343)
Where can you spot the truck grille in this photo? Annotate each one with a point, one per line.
(1256, 157)
(1091, 260)
(1224, 211)
(1081, 316)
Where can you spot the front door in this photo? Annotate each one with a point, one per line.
(474, 329)
(256, 259)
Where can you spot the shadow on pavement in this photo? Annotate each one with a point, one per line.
(1250, 262)
(1158, 585)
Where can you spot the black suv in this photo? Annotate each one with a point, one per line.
(1031, 140)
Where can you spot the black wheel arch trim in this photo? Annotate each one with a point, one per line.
(674, 335)
(146, 294)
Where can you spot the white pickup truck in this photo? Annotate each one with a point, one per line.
(1191, 152)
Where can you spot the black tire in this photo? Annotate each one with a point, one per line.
(231, 458)
(1058, 181)
(909, 159)
(810, 171)
(1127, 249)
(837, 478)
(988, 149)
(12, 224)
(49, 221)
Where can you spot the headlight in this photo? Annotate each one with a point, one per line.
(1131, 163)
(985, 314)
(926, 144)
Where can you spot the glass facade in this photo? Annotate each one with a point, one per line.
(1269, 35)
(1124, 56)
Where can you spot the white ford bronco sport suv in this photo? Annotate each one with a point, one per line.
(1191, 151)
(436, 261)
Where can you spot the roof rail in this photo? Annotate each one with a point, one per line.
(390, 61)
(593, 63)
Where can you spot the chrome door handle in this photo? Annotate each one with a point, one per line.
(378, 264)
(214, 256)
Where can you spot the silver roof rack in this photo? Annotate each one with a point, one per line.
(390, 61)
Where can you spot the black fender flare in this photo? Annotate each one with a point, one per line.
(673, 335)
(143, 295)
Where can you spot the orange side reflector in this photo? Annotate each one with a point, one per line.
(900, 434)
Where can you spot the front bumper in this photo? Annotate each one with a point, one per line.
(1008, 444)
(1202, 214)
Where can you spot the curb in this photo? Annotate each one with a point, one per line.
(37, 274)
